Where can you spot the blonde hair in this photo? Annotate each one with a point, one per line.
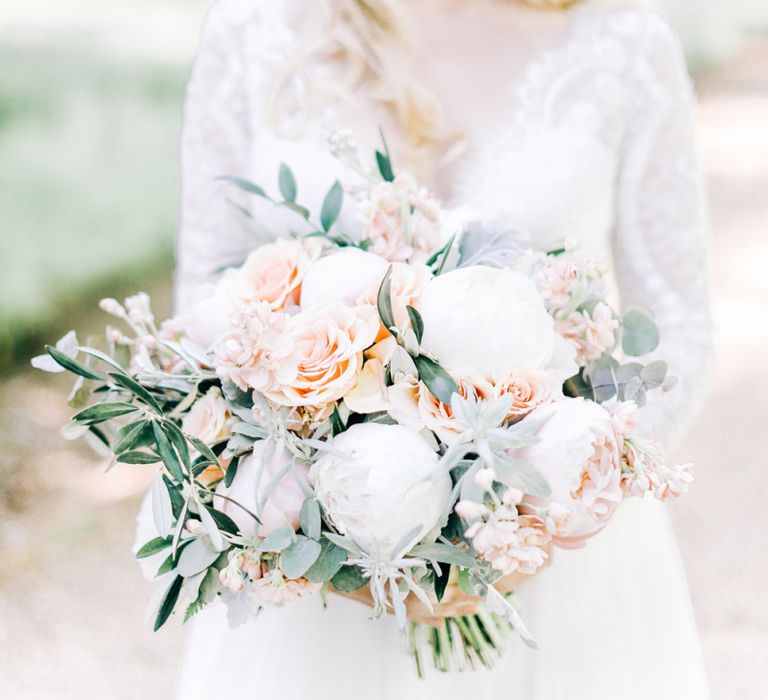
(372, 39)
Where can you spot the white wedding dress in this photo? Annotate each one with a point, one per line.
(591, 139)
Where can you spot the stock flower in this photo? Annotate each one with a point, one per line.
(511, 545)
(578, 453)
(274, 273)
(257, 352)
(376, 486)
(329, 343)
(273, 589)
(483, 320)
(401, 220)
(254, 476)
(592, 334)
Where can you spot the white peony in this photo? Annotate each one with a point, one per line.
(383, 491)
(345, 276)
(209, 315)
(483, 320)
(254, 475)
(578, 453)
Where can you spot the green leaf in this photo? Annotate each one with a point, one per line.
(384, 301)
(640, 335)
(139, 391)
(445, 255)
(332, 206)
(441, 582)
(155, 546)
(436, 379)
(167, 453)
(337, 425)
(100, 412)
(444, 553)
(127, 436)
(385, 166)
(278, 540)
(231, 471)
(178, 440)
(310, 520)
(136, 457)
(349, 579)
(303, 212)
(417, 322)
(223, 521)
(465, 585)
(243, 184)
(71, 365)
(203, 449)
(287, 182)
(328, 564)
(169, 602)
(296, 559)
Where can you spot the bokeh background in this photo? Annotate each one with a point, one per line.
(90, 108)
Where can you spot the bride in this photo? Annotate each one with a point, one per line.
(551, 117)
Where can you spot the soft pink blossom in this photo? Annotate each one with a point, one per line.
(401, 220)
(511, 545)
(273, 589)
(592, 334)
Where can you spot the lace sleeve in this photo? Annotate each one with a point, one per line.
(661, 238)
(214, 141)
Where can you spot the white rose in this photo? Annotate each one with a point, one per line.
(254, 474)
(578, 454)
(345, 276)
(483, 320)
(383, 491)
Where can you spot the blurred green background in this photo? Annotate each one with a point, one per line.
(90, 111)
(89, 123)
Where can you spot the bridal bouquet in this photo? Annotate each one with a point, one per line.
(410, 418)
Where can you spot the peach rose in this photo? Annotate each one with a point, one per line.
(274, 273)
(329, 344)
(414, 405)
(209, 419)
(528, 390)
(406, 285)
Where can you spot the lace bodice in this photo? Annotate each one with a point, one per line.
(594, 141)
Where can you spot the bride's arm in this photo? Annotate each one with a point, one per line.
(215, 141)
(661, 240)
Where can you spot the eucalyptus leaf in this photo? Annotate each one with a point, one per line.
(310, 520)
(640, 335)
(299, 556)
(654, 374)
(328, 564)
(349, 579)
(278, 540)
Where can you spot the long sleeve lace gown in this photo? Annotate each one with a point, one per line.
(590, 137)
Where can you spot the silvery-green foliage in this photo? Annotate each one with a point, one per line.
(640, 335)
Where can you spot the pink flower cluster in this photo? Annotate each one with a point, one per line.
(592, 334)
